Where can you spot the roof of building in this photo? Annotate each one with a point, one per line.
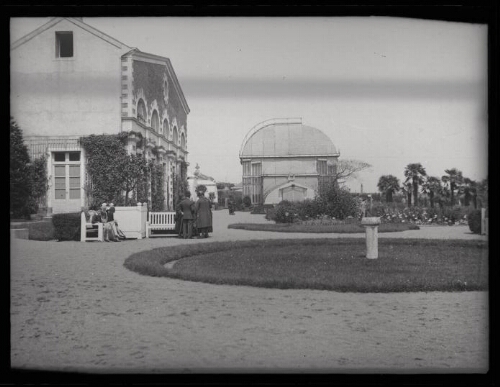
(78, 22)
(126, 50)
(286, 137)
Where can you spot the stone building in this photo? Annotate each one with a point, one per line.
(283, 159)
(70, 80)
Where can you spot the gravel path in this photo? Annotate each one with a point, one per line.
(74, 307)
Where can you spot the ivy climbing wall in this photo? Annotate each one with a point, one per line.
(150, 78)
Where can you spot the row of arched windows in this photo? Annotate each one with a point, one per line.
(155, 123)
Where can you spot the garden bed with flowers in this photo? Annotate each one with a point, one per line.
(422, 216)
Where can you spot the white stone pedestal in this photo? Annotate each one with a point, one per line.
(371, 229)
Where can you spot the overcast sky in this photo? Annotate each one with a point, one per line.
(387, 91)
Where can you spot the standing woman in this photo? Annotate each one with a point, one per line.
(203, 210)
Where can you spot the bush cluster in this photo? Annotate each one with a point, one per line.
(333, 203)
(66, 226)
(475, 221)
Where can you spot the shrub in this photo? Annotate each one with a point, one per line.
(66, 226)
(41, 231)
(271, 213)
(474, 220)
(247, 202)
(286, 212)
(337, 203)
(454, 214)
(334, 202)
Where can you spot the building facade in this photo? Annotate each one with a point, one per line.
(283, 159)
(197, 178)
(70, 80)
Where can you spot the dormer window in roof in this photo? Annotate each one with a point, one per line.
(64, 44)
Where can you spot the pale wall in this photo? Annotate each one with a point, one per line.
(270, 183)
(274, 196)
(68, 96)
(286, 166)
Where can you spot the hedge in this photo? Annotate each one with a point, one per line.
(67, 226)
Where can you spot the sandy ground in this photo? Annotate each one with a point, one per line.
(74, 307)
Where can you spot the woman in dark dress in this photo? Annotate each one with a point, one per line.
(203, 210)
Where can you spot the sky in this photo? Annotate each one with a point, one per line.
(387, 91)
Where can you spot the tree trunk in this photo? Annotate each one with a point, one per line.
(415, 194)
(409, 199)
(389, 197)
(431, 198)
(467, 199)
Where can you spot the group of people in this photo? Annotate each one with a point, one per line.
(194, 218)
(106, 215)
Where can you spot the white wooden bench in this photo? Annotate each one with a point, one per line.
(160, 221)
(87, 227)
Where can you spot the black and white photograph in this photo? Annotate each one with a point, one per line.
(218, 194)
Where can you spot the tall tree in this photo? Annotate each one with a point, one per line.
(388, 185)
(432, 187)
(20, 173)
(453, 180)
(132, 168)
(347, 169)
(415, 174)
(407, 188)
(470, 192)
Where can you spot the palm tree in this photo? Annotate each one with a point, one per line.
(414, 174)
(407, 188)
(470, 192)
(432, 187)
(452, 181)
(388, 184)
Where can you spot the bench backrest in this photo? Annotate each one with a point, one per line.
(161, 218)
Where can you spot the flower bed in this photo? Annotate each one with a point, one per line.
(452, 216)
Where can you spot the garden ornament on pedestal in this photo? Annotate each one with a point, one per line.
(371, 229)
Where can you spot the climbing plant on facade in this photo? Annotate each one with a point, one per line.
(180, 183)
(157, 186)
(111, 169)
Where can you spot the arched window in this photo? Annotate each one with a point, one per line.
(141, 111)
(176, 136)
(155, 121)
(165, 127)
(183, 141)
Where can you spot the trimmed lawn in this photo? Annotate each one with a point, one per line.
(350, 228)
(329, 264)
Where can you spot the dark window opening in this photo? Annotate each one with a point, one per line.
(64, 44)
(59, 156)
